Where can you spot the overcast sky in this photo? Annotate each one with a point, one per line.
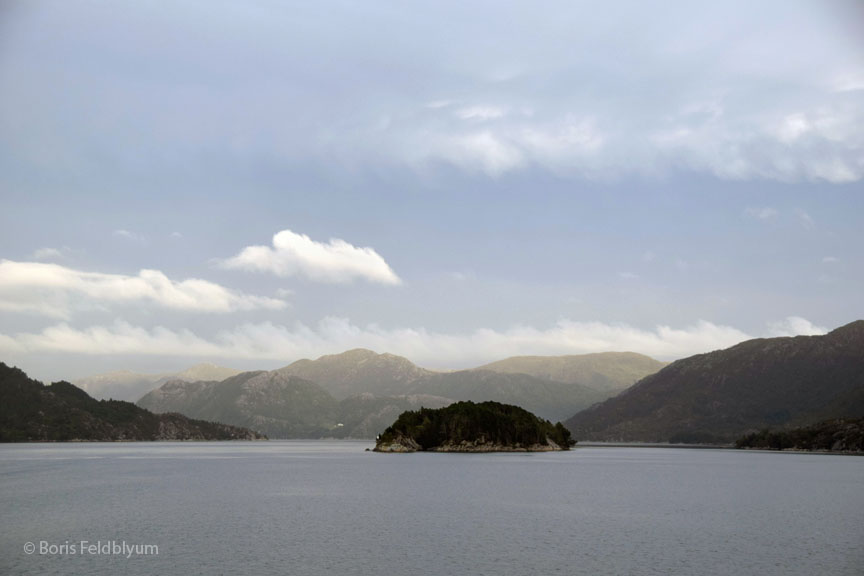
(249, 183)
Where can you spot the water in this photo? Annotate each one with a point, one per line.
(310, 508)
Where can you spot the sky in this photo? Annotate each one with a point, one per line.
(251, 183)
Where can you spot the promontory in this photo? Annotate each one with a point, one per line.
(470, 427)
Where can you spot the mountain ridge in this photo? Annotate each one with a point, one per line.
(721, 395)
(32, 411)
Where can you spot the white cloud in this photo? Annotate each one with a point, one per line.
(760, 213)
(480, 113)
(795, 326)
(54, 290)
(822, 143)
(295, 254)
(852, 82)
(267, 341)
(132, 236)
(804, 219)
(628, 275)
(830, 260)
(47, 254)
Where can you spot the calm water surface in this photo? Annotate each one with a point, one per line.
(310, 508)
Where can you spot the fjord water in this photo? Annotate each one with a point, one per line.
(310, 508)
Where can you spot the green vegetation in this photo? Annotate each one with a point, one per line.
(840, 435)
(32, 412)
(486, 422)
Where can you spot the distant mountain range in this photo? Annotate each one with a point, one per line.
(359, 393)
(605, 371)
(30, 411)
(126, 385)
(720, 396)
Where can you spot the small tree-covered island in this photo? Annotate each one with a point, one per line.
(470, 427)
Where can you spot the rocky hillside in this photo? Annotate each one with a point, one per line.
(720, 396)
(284, 406)
(358, 371)
(30, 411)
(276, 404)
(609, 372)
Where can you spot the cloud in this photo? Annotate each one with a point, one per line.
(830, 260)
(480, 113)
(628, 275)
(132, 236)
(818, 144)
(760, 213)
(47, 254)
(295, 254)
(795, 326)
(267, 341)
(727, 90)
(54, 290)
(804, 219)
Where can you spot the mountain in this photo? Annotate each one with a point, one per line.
(31, 411)
(126, 385)
(367, 415)
(280, 405)
(720, 396)
(548, 399)
(470, 427)
(385, 375)
(609, 372)
(284, 406)
(358, 371)
(359, 392)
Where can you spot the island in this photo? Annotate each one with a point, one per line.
(62, 412)
(470, 427)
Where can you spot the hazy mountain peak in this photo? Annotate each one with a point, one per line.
(358, 370)
(128, 385)
(607, 371)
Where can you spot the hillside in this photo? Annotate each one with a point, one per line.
(609, 372)
(838, 435)
(547, 399)
(30, 411)
(552, 386)
(279, 405)
(722, 395)
(470, 427)
(358, 371)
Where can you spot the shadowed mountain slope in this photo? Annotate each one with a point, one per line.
(719, 396)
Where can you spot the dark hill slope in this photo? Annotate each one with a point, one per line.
(717, 397)
(30, 411)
